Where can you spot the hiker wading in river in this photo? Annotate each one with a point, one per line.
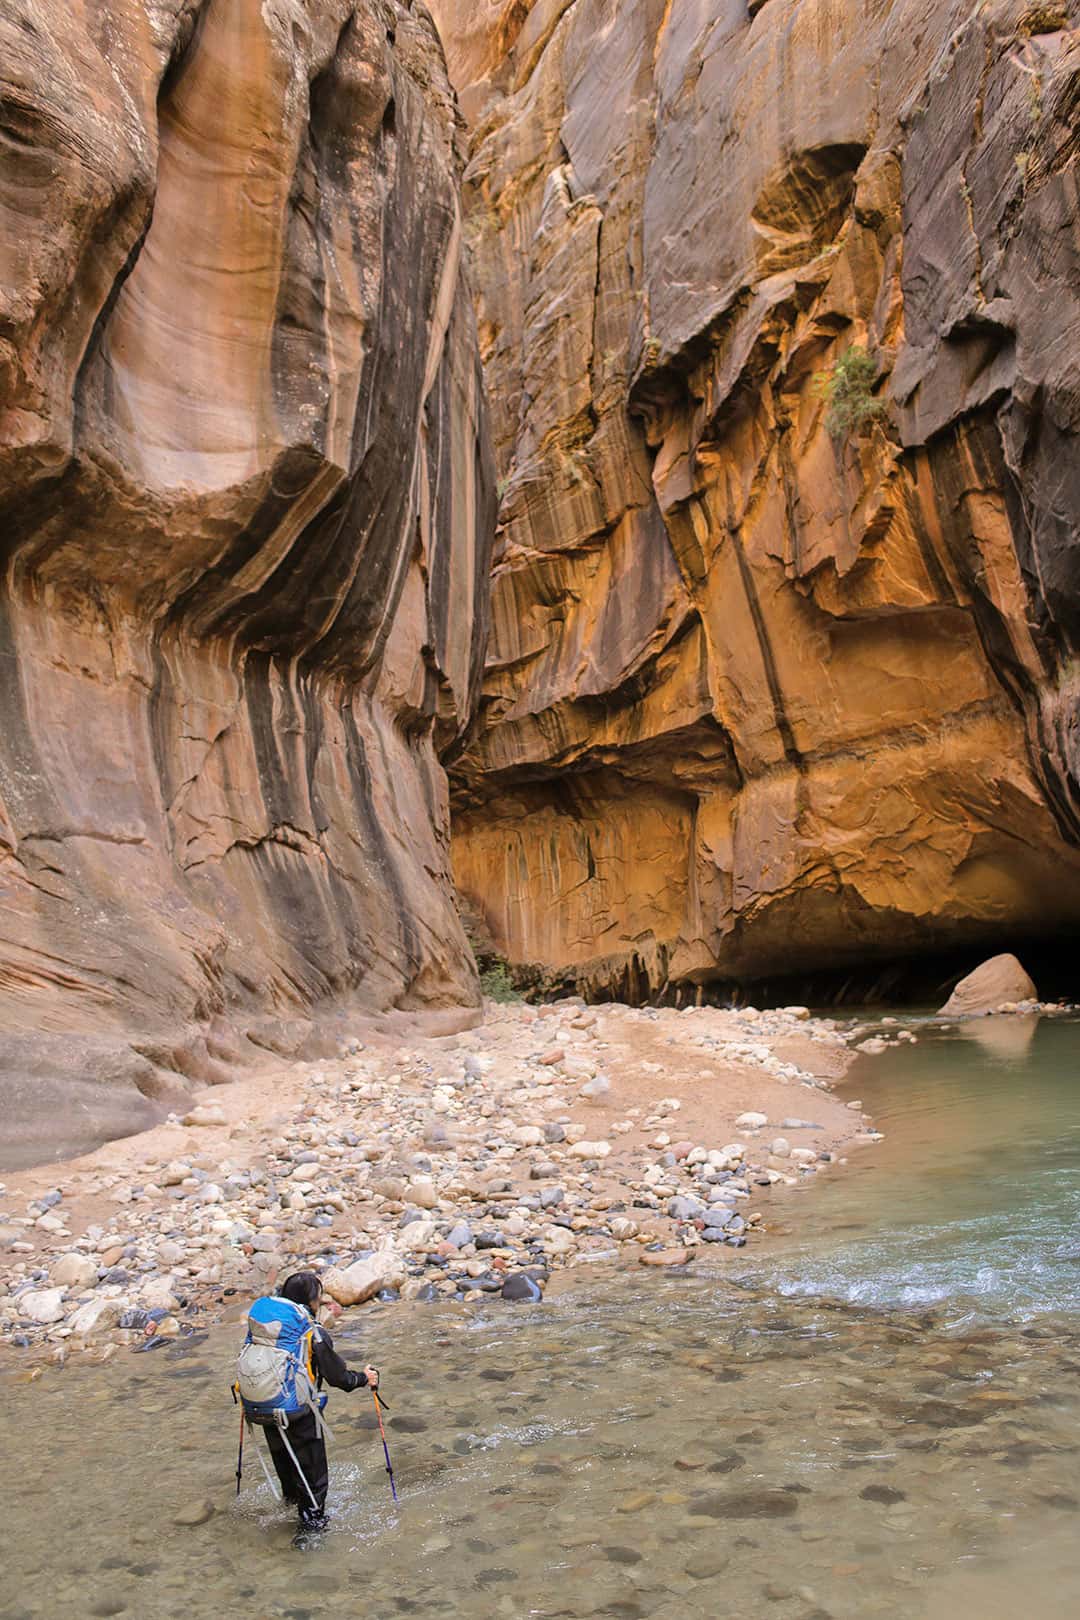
(285, 1360)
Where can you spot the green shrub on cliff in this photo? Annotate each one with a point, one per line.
(497, 985)
(847, 391)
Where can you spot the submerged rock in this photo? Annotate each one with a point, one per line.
(195, 1513)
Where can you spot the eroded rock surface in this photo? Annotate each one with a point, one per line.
(761, 696)
(246, 510)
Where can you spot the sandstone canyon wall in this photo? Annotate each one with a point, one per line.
(763, 696)
(247, 511)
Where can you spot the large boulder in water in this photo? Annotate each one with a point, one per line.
(997, 980)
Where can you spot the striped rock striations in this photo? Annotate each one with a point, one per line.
(246, 536)
(780, 313)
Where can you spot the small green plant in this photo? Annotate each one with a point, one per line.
(497, 985)
(847, 390)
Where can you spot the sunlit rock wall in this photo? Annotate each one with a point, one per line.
(760, 699)
(246, 517)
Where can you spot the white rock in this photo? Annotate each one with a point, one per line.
(781, 1148)
(558, 1240)
(590, 1150)
(417, 1235)
(751, 1121)
(75, 1271)
(527, 1136)
(157, 1294)
(174, 1173)
(363, 1279)
(97, 1317)
(803, 1155)
(42, 1304)
(623, 1228)
(205, 1114)
(422, 1192)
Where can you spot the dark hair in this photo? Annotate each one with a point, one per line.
(303, 1288)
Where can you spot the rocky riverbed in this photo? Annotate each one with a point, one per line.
(421, 1166)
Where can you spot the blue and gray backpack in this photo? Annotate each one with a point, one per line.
(275, 1370)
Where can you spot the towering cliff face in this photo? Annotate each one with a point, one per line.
(246, 511)
(783, 666)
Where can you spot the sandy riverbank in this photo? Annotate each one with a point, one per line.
(431, 1165)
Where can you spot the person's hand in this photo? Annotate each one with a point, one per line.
(372, 1376)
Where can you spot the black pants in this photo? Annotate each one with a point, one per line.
(310, 1449)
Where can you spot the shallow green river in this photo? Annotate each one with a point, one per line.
(861, 1420)
(973, 1199)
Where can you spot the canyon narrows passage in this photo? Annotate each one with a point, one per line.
(588, 490)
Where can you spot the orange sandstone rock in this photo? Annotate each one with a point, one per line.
(246, 520)
(762, 696)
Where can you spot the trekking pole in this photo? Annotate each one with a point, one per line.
(386, 1449)
(240, 1453)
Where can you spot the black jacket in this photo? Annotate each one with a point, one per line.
(329, 1366)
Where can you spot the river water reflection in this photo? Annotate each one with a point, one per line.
(672, 1446)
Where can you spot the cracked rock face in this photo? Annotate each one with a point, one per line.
(764, 694)
(246, 511)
